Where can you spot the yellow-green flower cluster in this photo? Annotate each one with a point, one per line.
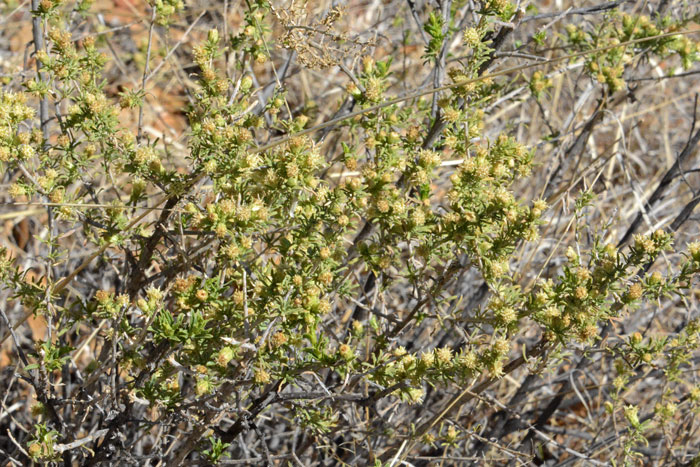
(166, 9)
(485, 216)
(608, 66)
(539, 83)
(15, 144)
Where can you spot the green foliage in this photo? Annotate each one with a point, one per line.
(217, 450)
(42, 446)
(265, 276)
(608, 66)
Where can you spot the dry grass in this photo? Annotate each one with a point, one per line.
(630, 148)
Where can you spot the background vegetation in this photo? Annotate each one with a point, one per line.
(365, 232)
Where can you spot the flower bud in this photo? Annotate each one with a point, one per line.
(213, 36)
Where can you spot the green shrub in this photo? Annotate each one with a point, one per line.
(379, 275)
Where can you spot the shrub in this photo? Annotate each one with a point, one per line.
(417, 257)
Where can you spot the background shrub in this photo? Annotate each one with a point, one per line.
(349, 233)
